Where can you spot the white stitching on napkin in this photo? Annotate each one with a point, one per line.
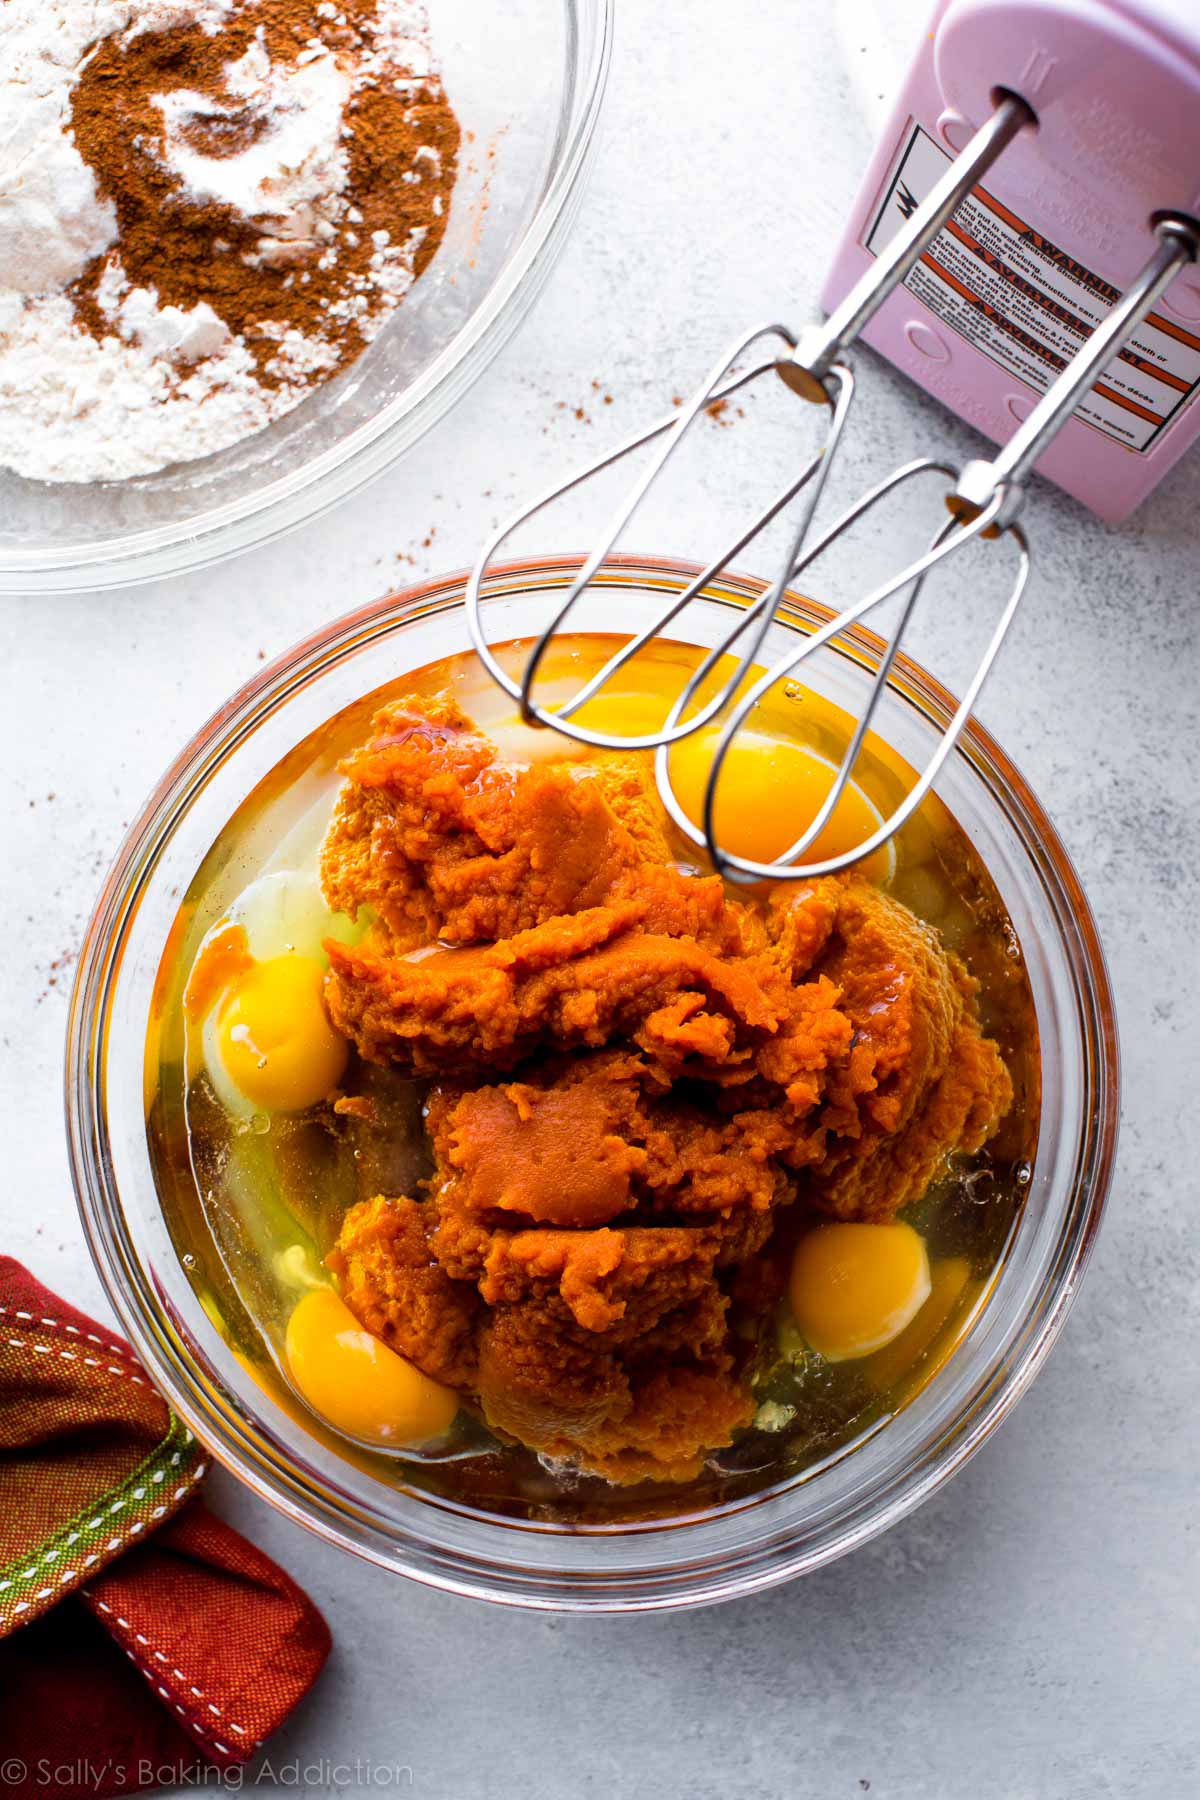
(153, 1678)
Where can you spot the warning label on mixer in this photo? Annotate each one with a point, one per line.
(1004, 287)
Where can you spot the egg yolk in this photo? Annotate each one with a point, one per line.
(638, 714)
(770, 788)
(948, 1280)
(854, 1288)
(274, 1036)
(769, 791)
(357, 1383)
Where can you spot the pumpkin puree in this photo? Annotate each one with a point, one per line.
(632, 1074)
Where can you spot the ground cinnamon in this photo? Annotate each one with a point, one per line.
(401, 142)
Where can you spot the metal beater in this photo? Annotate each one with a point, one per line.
(984, 499)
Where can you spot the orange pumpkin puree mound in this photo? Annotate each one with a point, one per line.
(632, 1074)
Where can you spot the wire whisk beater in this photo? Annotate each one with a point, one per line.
(978, 501)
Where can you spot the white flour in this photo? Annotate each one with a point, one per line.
(51, 222)
(167, 385)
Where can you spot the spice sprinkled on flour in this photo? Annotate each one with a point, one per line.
(207, 208)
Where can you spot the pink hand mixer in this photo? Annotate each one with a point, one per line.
(1024, 247)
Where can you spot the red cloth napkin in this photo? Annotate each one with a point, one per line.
(139, 1636)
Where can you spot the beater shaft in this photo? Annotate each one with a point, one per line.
(1178, 244)
(821, 346)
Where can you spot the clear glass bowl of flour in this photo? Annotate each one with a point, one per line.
(526, 82)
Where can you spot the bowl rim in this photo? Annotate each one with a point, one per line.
(332, 475)
(152, 1331)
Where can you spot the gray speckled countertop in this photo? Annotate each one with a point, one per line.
(1033, 1630)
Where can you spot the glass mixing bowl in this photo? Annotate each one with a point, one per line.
(696, 1555)
(526, 80)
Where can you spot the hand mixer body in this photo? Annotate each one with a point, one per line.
(1038, 255)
